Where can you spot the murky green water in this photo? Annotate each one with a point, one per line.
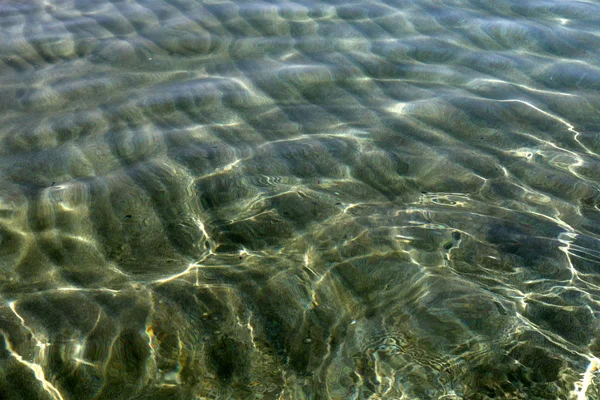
(299, 200)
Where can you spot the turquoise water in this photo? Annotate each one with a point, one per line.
(299, 200)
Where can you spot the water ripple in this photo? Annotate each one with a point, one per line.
(303, 200)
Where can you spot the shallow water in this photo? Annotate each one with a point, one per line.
(299, 200)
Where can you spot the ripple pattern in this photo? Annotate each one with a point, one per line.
(382, 199)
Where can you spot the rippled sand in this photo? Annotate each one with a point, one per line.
(299, 200)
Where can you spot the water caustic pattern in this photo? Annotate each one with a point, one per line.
(299, 200)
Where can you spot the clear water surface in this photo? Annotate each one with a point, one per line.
(378, 199)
